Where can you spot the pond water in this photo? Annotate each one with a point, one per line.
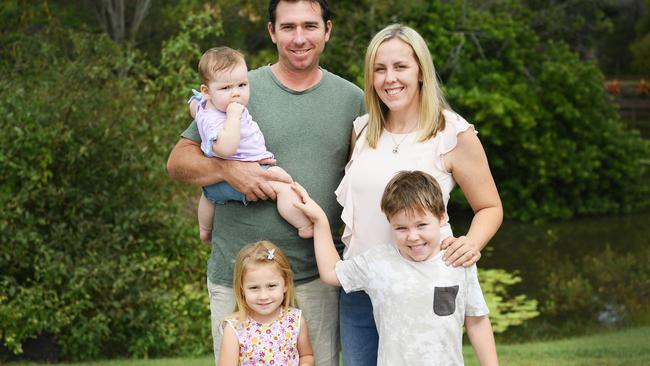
(585, 272)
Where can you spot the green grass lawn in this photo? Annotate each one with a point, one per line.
(624, 347)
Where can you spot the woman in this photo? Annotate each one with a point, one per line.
(409, 126)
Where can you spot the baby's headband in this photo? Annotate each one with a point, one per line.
(271, 254)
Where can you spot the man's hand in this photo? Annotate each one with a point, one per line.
(251, 179)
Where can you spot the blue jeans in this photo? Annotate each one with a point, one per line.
(222, 192)
(359, 338)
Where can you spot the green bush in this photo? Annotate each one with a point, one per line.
(609, 287)
(555, 142)
(96, 250)
(506, 310)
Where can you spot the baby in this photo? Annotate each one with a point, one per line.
(228, 132)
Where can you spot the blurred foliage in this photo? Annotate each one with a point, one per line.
(609, 288)
(96, 249)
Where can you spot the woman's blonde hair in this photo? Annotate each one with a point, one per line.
(255, 254)
(432, 101)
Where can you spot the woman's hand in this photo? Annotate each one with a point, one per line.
(460, 252)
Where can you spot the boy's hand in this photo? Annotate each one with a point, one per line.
(235, 109)
(307, 205)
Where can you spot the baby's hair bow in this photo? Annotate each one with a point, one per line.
(196, 95)
(271, 254)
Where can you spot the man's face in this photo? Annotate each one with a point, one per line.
(300, 34)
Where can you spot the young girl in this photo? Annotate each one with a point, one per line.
(265, 328)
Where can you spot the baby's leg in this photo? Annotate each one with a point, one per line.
(206, 215)
(285, 200)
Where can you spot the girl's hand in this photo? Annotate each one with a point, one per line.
(460, 252)
(307, 205)
(235, 108)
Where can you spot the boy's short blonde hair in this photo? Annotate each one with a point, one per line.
(413, 191)
(255, 254)
(218, 59)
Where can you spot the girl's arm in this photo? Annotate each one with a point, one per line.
(479, 332)
(326, 254)
(193, 103)
(229, 354)
(468, 165)
(304, 345)
(229, 137)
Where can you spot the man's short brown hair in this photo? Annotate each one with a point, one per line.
(218, 59)
(413, 191)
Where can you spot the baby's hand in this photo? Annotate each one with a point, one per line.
(307, 205)
(235, 108)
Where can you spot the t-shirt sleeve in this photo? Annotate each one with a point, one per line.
(475, 305)
(192, 132)
(210, 125)
(353, 273)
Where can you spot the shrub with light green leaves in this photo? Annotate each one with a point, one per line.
(506, 310)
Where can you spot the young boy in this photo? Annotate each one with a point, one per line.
(228, 132)
(419, 303)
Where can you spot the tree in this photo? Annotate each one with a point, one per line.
(119, 18)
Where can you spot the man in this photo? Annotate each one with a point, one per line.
(306, 114)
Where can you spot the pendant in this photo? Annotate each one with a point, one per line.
(395, 151)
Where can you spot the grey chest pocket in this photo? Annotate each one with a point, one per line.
(444, 300)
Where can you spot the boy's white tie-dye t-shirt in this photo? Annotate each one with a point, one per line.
(419, 307)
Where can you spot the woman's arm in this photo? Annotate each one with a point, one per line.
(479, 332)
(304, 345)
(469, 166)
(229, 353)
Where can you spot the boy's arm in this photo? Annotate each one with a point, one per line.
(326, 255)
(479, 332)
(305, 351)
(229, 137)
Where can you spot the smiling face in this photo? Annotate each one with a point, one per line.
(227, 86)
(264, 288)
(417, 234)
(396, 76)
(300, 34)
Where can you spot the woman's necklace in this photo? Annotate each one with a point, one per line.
(396, 149)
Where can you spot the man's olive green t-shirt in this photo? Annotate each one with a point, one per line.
(309, 133)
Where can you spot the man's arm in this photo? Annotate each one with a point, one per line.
(186, 163)
(326, 255)
(479, 332)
